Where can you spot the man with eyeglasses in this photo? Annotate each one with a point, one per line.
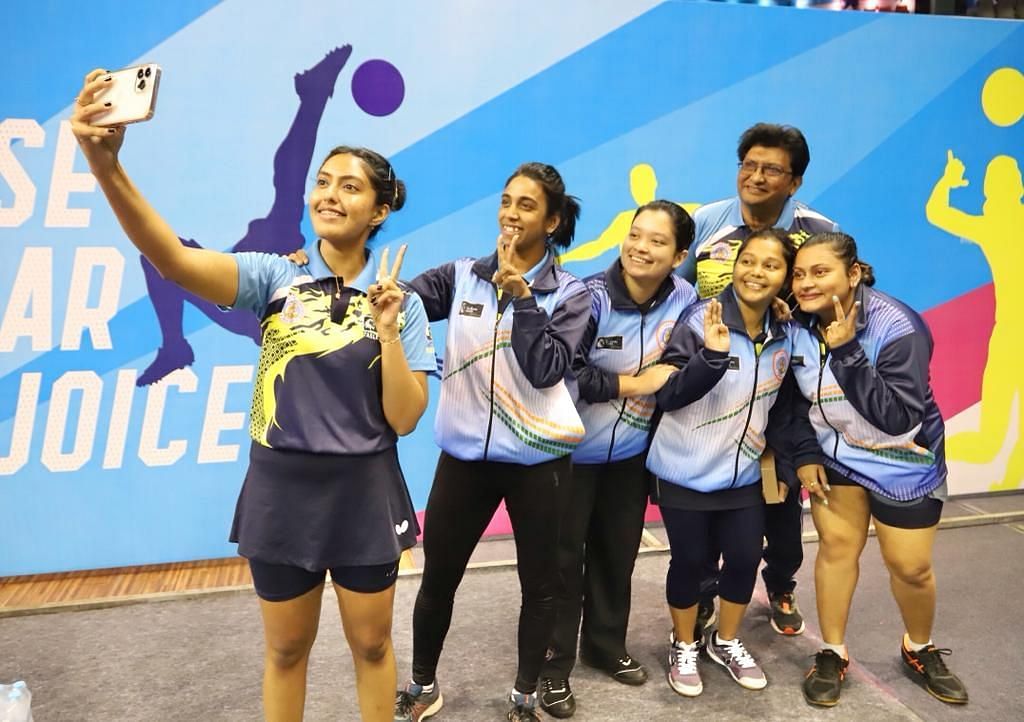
(772, 161)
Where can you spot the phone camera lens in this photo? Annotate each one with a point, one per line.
(139, 74)
(148, 72)
(142, 85)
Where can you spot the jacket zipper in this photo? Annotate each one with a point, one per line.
(822, 358)
(622, 411)
(494, 353)
(750, 412)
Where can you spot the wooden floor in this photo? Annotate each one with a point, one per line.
(102, 587)
(41, 591)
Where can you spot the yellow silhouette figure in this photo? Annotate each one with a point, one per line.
(997, 231)
(642, 185)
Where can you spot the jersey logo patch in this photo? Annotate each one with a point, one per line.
(721, 251)
(476, 310)
(734, 363)
(780, 364)
(369, 328)
(664, 332)
(613, 343)
(293, 310)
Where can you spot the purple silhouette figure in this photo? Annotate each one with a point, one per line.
(278, 232)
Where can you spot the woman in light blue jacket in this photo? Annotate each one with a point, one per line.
(864, 387)
(732, 357)
(635, 303)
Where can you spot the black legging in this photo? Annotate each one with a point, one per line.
(601, 532)
(738, 533)
(463, 498)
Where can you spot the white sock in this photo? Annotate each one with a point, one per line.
(428, 688)
(521, 694)
(839, 649)
(719, 640)
(913, 646)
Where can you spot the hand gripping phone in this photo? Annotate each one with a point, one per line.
(132, 95)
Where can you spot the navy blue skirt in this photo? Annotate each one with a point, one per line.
(317, 511)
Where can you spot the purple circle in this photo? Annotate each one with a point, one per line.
(378, 87)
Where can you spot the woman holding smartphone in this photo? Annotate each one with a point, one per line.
(506, 424)
(865, 389)
(323, 452)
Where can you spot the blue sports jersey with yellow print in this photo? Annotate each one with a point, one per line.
(318, 383)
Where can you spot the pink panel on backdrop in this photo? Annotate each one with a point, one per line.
(961, 328)
(500, 524)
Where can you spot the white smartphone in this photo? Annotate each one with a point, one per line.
(132, 95)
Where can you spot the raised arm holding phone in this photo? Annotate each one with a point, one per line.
(323, 490)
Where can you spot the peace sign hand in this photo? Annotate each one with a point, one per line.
(507, 278)
(716, 333)
(954, 173)
(386, 297)
(844, 328)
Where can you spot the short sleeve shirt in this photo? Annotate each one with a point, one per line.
(720, 230)
(318, 383)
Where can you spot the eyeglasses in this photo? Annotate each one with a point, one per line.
(768, 170)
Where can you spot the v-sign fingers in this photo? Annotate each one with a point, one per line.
(840, 313)
(382, 269)
(853, 314)
(504, 249)
(398, 261)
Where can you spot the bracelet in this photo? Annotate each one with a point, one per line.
(396, 339)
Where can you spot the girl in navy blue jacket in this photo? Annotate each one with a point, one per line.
(635, 304)
(732, 357)
(506, 423)
(863, 383)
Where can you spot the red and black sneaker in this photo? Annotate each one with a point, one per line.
(785, 615)
(824, 681)
(928, 667)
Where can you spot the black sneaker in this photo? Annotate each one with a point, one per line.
(625, 669)
(927, 666)
(556, 697)
(522, 708)
(825, 680)
(785, 615)
(705, 618)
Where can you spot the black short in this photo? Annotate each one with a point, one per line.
(919, 513)
(280, 582)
